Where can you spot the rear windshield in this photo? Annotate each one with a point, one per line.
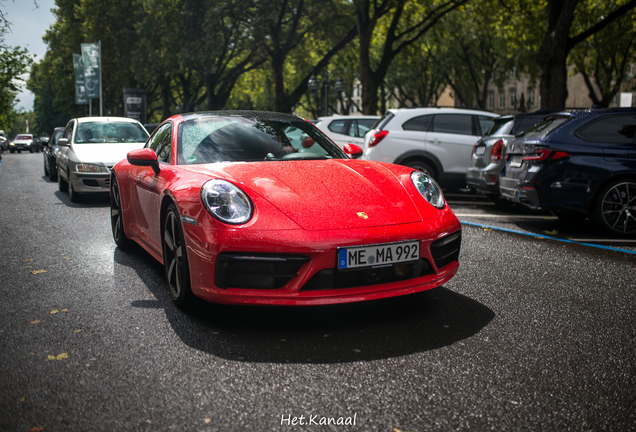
(110, 132)
(546, 127)
(501, 127)
(384, 120)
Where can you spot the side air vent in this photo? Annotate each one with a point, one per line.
(446, 249)
(256, 271)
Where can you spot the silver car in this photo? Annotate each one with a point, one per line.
(488, 154)
(90, 147)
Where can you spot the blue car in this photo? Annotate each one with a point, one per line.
(577, 164)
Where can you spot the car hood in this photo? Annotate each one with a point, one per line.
(325, 195)
(107, 153)
(22, 141)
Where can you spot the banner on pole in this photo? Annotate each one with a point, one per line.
(92, 60)
(81, 97)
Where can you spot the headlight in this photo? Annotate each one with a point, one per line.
(429, 189)
(226, 202)
(85, 167)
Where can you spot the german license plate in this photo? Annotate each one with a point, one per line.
(516, 161)
(378, 255)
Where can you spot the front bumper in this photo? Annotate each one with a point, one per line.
(312, 282)
(90, 182)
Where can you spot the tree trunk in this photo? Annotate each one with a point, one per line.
(553, 53)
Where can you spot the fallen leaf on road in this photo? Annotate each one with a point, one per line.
(21, 400)
(207, 420)
(54, 311)
(28, 259)
(35, 321)
(58, 357)
(36, 429)
(37, 271)
(77, 331)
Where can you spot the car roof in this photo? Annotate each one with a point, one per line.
(444, 110)
(105, 119)
(269, 115)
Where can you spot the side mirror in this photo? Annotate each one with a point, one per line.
(353, 150)
(144, 157)
(62, 142)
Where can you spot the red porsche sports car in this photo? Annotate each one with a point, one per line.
(262, 208)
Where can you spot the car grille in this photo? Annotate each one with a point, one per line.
(446, 249)
(332, 279)
(240, 270)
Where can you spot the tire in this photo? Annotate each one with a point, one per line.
(72, 195)
(615, 208)
(62, 184)
(12, 151)
(46, 171)
(175, 258)
(423, 166)
(116, 219)
(52, 172)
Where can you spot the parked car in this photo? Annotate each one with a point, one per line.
(23, 142)
(49, 153)
(346, 129)
(437, 141)
(90, 147)
(488, 154)
(236, 215)
(578, 164)
(4, 144)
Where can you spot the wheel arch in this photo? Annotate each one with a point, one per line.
(422, 155)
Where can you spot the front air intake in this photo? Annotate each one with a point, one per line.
(256, 271)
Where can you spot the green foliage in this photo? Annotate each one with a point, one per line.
(14, 62)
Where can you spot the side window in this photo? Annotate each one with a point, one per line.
(68, 132)
(161, 142)
(365, 126)
(353, 129)
(338, 126)
(611, 130)
(453, 123)
(485, 123)
(420, 123)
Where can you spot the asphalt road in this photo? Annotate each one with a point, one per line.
(532, 334)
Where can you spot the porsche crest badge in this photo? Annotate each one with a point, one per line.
(363, 215)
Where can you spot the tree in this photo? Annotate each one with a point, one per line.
(14, 62)
(602, 59)
(406, 22)
(314, 28)
(558, 42)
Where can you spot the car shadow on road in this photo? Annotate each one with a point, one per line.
(352, 332)
(90, 200)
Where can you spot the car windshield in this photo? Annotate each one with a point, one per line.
(24, 137)
(500, 127)
(110, 132)
(544, 128)
(250, 139)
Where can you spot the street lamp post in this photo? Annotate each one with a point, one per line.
(313, 84)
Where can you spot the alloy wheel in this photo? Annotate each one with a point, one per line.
(618, 208)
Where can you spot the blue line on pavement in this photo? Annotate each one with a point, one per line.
(547, 237)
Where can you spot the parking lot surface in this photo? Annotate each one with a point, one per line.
(536, 332)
